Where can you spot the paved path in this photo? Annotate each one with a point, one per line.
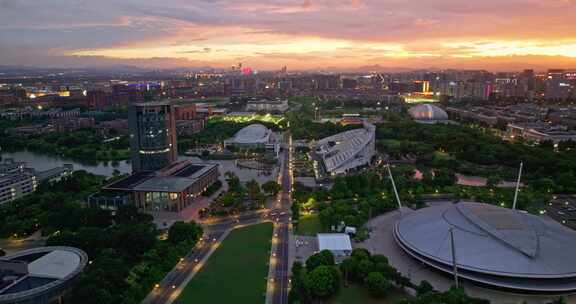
(12, 246)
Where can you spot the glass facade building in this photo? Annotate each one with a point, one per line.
(152, 136)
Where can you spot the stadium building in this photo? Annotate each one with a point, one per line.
(427, 113)
(39, 275)
(495, 247)
(344, 152)
(255, 136)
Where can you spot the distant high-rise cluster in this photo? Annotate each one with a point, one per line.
(414, 86)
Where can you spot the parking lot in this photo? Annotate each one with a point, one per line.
(562, 208)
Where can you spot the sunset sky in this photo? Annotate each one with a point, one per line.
(302, 34)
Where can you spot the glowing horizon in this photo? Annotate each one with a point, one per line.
(301, 34)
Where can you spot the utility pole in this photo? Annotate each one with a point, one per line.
(394, 187)
(454, 257)
(517, 186)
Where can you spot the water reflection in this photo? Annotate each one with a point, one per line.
(43, 162)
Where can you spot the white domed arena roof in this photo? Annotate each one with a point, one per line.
(255, 133)
(495, 246)
(427, 112)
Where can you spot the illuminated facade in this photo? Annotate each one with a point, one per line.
(152, 136)
(171, 189)
(344, 152)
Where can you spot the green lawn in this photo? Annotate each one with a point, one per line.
(236, 272)
(354, 294)
(309, 224)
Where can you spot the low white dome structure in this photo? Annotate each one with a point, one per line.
(255, 136)
(427, 112)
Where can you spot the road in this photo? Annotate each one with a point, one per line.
(281, 278)
(171, 286)
(12, 246)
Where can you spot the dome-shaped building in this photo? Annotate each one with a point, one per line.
(252, 135)
(494, 246)
(427, 112)
(39, 275)
(255, 136)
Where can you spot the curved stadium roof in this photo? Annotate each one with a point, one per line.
(494, 246)
(49, 272)
(253, 134)
(346, 150)
(427, 112)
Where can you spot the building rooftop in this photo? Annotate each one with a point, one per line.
(343, 147)
(165, 184)
(57, 264)
(427, 112)
(334, 242)
(254, 133)
(129, 182)
(173, 178)
(31, 273)
(493, 245)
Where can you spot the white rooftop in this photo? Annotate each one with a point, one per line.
(334, 242)
(57, 264)
(253, 134)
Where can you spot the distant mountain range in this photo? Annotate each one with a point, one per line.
(15, 71)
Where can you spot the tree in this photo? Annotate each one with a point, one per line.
(129, 214)
(364, 268)
(360, 254)
(377, 284)
(322, 258)
(297, 292)
(322, 282)
(181, 232)
(546, 144)
(349, 268)
(493, 181)
(443, 178)
(424, 287)
(271, 187)
(253, 189)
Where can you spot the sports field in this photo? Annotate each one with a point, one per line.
(236, 272)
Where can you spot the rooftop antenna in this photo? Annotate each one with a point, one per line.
(454, 257)
(517, 186)
(394, 187)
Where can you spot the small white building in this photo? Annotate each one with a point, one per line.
(270, 106)
(337, 243)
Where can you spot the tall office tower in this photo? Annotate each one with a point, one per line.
(526, 84)
(152, 136)
(97, 99)
(557, 85)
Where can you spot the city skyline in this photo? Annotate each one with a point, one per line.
(301, 34)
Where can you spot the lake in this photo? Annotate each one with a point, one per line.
(43, 162)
